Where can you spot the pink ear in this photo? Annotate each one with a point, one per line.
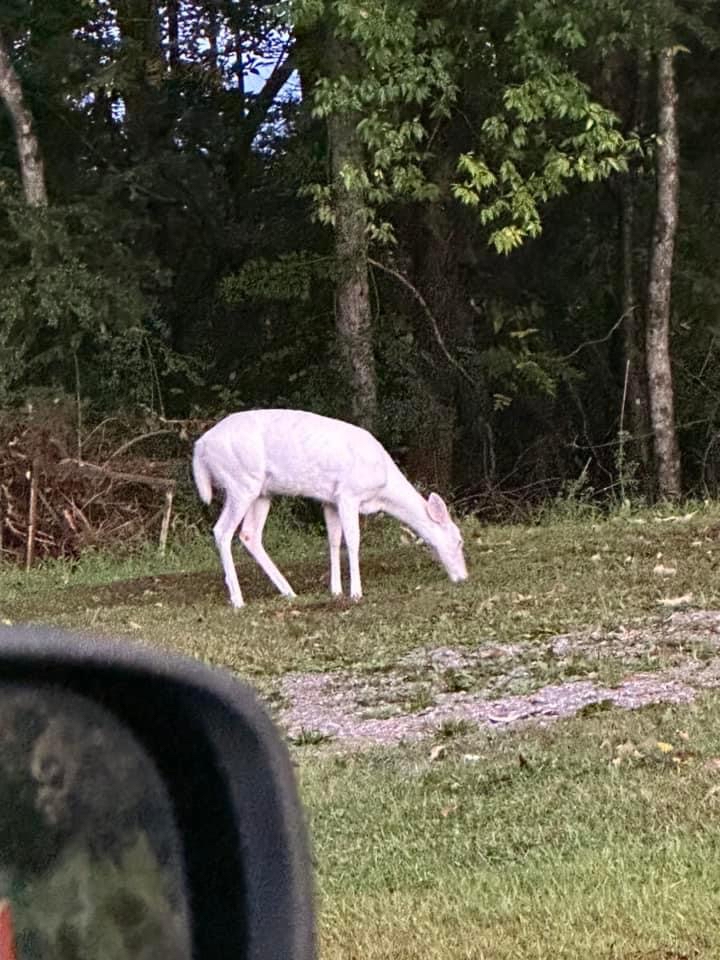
(436, 509)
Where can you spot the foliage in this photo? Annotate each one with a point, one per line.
(121, 908)
(72, 287)
(179, 269)
(405, 81)
(290, 277)
(541, 126)
(544, 130)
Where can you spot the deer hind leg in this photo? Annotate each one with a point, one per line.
(350, 521)
(251, 538)
(334, 532)
(229, 520)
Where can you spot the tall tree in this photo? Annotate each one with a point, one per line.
(641, 34)
(476, 107)
(30, 158)
(352, 289)
(660, 382)
(623, 85)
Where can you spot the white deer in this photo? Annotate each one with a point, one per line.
(253, 455)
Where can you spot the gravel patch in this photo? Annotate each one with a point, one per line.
(411, 700)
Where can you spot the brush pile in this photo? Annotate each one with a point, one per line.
(64, 488)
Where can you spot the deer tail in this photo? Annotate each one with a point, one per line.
(201, 473)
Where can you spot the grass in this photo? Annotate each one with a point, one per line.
(528, 583)
(583, 838)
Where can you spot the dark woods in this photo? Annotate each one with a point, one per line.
(490, 232)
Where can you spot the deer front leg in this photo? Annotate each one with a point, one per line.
(350, 522)
(334, 533)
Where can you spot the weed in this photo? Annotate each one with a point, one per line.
(451, 729)
(457, 681)
(420, 699)
(310, 738)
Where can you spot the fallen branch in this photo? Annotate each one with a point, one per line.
(161, 483)
(130, 443)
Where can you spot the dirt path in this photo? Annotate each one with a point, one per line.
(500, 685)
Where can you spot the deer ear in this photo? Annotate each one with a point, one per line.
(437, 511)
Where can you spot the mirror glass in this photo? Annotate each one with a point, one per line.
(90, 861)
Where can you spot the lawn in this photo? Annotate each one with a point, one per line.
(585, 839)
(594, 835)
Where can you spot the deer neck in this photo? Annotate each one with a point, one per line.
(402, 501)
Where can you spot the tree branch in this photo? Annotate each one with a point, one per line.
(429, 314)
(593, 343)
(260, 105)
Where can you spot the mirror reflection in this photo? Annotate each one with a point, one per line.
(89, 855)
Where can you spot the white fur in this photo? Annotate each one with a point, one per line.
(254, 455)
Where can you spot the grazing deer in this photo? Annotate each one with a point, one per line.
(252, 456)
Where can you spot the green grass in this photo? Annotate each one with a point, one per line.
(528, 583)
(582, 839)
(579, 839)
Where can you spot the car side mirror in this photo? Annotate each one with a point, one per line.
(148, 808)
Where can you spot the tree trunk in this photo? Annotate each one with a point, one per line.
(320, 51)
(240, 71)
(637, 399)
(437, 272)
(30, 159)
(252, 113)
(352, 292)
(213, 28)
(638, 416)
(173, 34)
(146, 124)
(657, 339)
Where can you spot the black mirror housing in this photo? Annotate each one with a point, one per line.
(228, 775)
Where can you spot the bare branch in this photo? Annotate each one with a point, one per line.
(429, 314)
(163, 483)
(593, 343)
(134, 440)
(282, 71)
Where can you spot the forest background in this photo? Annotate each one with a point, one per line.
(490, 232)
